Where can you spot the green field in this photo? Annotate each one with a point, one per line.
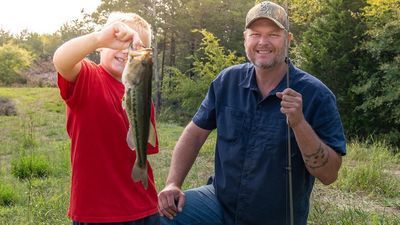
(367, 191)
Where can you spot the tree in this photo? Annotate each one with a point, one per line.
(328, 50)
(76, 28)
(30, 41)
(210, 59)
(13, 60)
(5, 36)
(50, 43)
(378, 86)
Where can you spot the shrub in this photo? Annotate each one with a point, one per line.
(7, 107)
(13, 60)
(30, 167)
(184, 91)
(7, 195)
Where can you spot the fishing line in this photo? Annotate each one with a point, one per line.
(289, 152)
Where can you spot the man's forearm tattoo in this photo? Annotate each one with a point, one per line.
(317, 159)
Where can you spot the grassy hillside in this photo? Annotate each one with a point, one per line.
(367, 191)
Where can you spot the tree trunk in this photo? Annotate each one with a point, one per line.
(172, 52)
(156, 66)
(162, 72)
(192, 47)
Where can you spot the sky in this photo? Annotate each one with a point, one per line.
(41, 16)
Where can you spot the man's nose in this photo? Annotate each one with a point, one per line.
(264, 39)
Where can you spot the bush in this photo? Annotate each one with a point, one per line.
(184, 91)
(7, 195)
(30, 167)
(13, 60)
(7, 107)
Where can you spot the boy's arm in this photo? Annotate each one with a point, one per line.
(68, 56)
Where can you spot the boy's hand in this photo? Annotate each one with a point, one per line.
(118, 36)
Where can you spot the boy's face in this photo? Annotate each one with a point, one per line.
(114, 60)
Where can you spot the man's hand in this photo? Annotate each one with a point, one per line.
(170, 201)
(291, 106)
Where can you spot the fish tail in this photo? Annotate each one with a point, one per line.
(139, 173)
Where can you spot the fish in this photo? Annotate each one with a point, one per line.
(136, 78)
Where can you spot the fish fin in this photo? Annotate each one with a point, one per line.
(139, 173)
(152, 135)
(129, 139)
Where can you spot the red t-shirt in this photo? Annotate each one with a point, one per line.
(102, 189)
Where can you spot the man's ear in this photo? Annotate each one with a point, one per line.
(290, 36)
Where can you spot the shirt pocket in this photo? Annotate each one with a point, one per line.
(229, 123)
(273, 132)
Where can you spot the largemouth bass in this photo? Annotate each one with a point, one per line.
(136, 78)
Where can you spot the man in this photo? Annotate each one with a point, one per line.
(250, 106)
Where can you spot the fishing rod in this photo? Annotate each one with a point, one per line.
(289, 150)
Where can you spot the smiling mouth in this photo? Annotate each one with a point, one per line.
(121, 60)
(264, 51)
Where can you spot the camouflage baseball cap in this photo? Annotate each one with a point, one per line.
(268, 10)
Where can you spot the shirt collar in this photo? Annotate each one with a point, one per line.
(250, 79)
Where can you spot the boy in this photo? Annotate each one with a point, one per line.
(102, 190)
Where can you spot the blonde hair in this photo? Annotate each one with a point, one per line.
(134, 21)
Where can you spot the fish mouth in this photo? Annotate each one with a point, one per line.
(136, 47)
(140, 53)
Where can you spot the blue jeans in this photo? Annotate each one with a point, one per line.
(150, 220)
(201, 208)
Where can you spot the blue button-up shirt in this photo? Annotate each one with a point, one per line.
(251, 176)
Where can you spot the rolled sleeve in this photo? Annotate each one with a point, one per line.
(327, 124)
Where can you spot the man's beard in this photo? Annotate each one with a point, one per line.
(277, 60)
(265, 66)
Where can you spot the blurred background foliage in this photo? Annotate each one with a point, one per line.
(351, 45)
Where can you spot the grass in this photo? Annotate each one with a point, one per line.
(329, 213)
(367, 191)
(7, 195)
(371, 170)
